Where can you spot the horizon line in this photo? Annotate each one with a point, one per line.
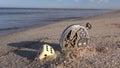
(54, 8)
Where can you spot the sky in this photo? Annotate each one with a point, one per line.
(102, 4)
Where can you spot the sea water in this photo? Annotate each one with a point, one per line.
(15, 19)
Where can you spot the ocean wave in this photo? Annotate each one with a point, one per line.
(10, 28)
(63, 18)
(19, 13)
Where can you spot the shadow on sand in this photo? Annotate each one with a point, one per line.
(29, 49)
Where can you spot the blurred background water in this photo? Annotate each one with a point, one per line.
(15, 19)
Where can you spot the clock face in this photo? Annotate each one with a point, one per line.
(74, 35)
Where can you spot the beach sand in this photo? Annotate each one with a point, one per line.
(18, 50)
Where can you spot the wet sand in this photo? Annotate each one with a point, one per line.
(18, 50)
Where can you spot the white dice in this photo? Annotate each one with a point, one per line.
(47, 51)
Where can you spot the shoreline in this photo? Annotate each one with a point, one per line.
(18, 29)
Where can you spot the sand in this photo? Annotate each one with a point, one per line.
(19, 50)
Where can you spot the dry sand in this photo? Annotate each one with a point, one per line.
(18, 50)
